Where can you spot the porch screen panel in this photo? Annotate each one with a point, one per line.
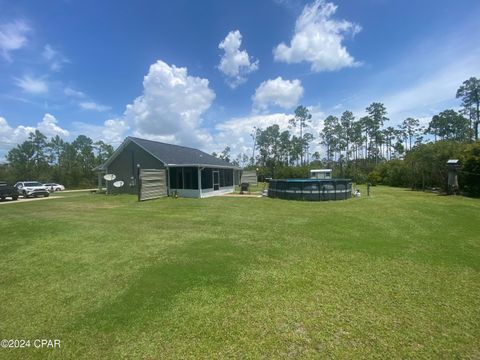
(207, 178)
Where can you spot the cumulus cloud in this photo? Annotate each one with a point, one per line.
(171, 106)
(236, 132)
(10, 137)
(54, 58)
(13, 36)
(235, 64)
(318, 39)
(278, 92)
(32, 85)
(48, 126)
(113, 131)
(91, 105)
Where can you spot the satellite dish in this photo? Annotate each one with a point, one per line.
(109, 177)
(118, 184)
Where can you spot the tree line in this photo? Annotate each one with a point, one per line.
(363, 148)
(56, 160)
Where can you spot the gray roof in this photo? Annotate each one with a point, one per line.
(175, 155)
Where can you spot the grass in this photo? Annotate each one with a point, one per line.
(254, 189)
(394, 275)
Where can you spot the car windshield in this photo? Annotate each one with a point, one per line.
(33, 184)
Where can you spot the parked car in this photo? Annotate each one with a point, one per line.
(8, 191)
(54, 187)
(31, 188)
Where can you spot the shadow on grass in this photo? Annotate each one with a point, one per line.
(152, 293)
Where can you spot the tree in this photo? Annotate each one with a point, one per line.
(269, 145)
(20, 159)
(39, 144)
(301, 120)
(225, 154)
(470, 174)
(327, 135)
(346, 121)
(55, 147)
(377, 114)
(449, 125)
(469, 92)
(104, 151)
(411, 128)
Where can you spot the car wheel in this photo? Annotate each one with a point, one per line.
(25, 195)
(14, 198)
(57, 189)
(2, 198)
(46, 195)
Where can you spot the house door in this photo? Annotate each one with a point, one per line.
(216, 180)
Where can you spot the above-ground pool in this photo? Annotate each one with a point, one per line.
(310, 189)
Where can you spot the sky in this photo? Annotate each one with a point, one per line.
(205, 73)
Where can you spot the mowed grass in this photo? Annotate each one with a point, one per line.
(395, 275)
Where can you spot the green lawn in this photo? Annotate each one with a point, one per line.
(395, 275)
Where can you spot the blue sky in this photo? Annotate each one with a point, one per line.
(203, 73)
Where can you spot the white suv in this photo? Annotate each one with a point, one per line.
(31, 188)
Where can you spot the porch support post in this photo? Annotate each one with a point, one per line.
(200, 181)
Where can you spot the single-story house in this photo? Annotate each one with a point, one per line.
(189, 172)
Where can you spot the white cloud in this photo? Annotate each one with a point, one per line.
(73, 93)
(32, 85)
(54, 58)
(279, 92)
(10, 137)
(114, 130)
(236, 132)
(171, 106)
(318, 39)
(48, 126)
(235, 64)
(13, 36)
(91, 105)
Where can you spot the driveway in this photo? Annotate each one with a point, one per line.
(22, 200)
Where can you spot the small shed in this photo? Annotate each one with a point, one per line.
(249, 177)
(321, 174)
(453, 169)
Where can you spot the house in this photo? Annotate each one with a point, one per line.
(188, 172)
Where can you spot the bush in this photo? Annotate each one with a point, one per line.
(469, 179)
(374, 178)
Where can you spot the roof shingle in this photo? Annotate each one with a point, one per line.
(179, 155)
